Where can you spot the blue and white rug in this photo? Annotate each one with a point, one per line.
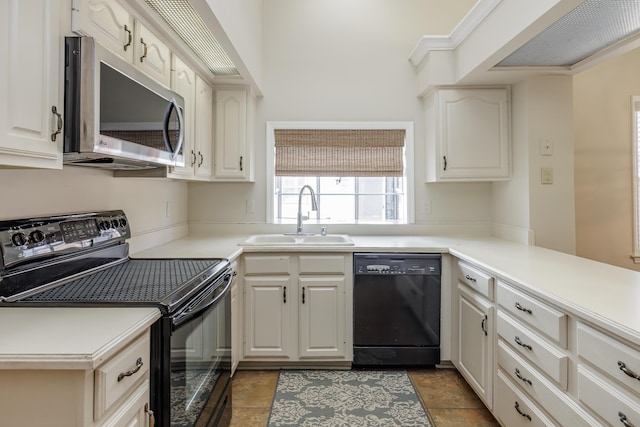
(346, 399)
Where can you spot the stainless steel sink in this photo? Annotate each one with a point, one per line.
(297, 240)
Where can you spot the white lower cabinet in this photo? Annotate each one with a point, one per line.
(514, 409)
(116, 393)
(476, 341)
(292, 314)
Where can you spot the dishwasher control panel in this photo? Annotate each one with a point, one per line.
(392, 264)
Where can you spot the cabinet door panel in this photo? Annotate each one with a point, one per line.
(183, 82)
(231, 135)
(107, 22)
(475, 341)
(267, 316)
(204, 128)
(30, 84)
(322, 317)
(151, 55)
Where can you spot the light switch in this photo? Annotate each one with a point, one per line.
(547, 175)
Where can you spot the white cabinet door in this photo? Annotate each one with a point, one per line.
(204, 129)
(475, 341)
(231, 157)
(108, 22)
(468, 135)
(268, 302)
(322, 312)
(183, 82)
(30, 84)
(151, 55)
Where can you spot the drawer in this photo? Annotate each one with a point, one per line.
(322, 264)
(514, 409)
(120, 374)
(477, 280)
(534, 348)
(557, 404)
(542, 317)
(267, 264)
(607, 400)
(610, 356)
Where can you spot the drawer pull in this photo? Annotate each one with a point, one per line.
(628, 372)
(517, 406)
(523, 379)
(623, 420)
(132, 371)
(484, 323)
(473, 279)
(284, 294)
(521, 308)
(521, 344)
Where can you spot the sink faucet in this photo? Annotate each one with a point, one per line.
(314, 207)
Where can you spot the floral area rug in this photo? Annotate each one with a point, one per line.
(346, 399)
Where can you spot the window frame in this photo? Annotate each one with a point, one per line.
(409, 150)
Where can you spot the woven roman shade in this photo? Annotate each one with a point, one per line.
(339, 152)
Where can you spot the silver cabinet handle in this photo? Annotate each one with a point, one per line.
(523, 379)
(623, 420)
(517, 406)
(152, 418)
(55, 134)
(521, 308)
(470, 278)
(521, 344)
(484, 324)
(132, 371)
(144, 53)
(129, 38)
(628, 372)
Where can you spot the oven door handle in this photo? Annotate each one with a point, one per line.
(197, 308)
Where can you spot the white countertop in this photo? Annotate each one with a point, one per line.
(606, 295)
(67, 338)
(81, 338)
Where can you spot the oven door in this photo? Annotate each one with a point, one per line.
(197, 369)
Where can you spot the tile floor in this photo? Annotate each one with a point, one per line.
(447, 397)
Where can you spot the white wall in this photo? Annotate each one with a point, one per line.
(541, 111)
(27, 193)
(339, 60)
(603, 159)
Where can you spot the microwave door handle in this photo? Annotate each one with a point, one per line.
(181, 126)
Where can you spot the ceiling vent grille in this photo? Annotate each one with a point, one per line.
(586, 30)
(187, 24)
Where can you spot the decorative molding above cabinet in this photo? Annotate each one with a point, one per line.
(468, 134)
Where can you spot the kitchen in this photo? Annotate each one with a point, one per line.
(332, 70)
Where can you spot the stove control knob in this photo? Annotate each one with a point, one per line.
(105, 225)
(19, 239)
(36, 236)
(114, 223)
(123, 222)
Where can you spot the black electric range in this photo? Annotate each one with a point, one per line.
(82, 260)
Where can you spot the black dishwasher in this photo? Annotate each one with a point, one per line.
(396, 299)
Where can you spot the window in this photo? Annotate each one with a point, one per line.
(635, 120)
(358, 171)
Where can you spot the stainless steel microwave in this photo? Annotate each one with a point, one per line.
(117, 117)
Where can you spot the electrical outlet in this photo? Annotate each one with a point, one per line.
(251, 206)
(546, 175)
(546, 147)
(426, 207)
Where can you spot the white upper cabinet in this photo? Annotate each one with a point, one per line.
(183, 82)
(233, 135)
(31, 100)
(468, 134)
(111, 25)
(204, 129)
